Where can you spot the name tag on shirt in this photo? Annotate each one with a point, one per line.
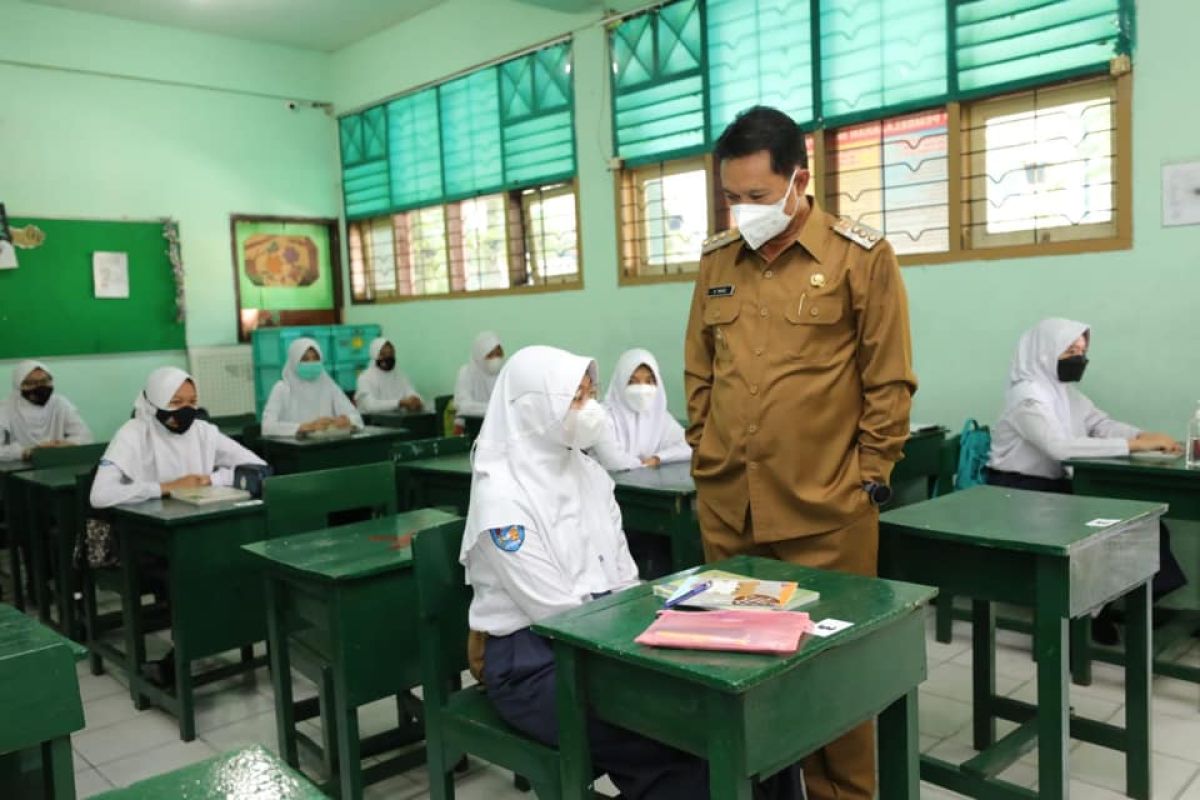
(720, 291)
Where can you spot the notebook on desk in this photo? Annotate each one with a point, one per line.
(326, 434)
(210, 495)
(727, 590)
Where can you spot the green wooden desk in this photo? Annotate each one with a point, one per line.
(44, 503)
(1161, 482)
(922, 460)
(289, 455)
(234, 425)
(250, 774)
(420, 424)
(13, 525)
(216, 601)
(39, 695)
(342, 606)
(749, 715)
(1036, 550)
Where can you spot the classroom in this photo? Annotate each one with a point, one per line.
(386, 375)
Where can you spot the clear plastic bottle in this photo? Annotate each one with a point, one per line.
(1193, 441)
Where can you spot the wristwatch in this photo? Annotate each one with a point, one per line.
(880, 493)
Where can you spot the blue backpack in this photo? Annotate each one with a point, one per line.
(974, 448)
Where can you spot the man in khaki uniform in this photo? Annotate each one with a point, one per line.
(798, 370)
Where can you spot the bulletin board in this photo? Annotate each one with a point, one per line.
(48, 305)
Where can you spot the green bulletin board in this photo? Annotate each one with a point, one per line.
(48, 306)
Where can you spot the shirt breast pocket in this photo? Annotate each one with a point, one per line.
(719, 316)
(819, 325)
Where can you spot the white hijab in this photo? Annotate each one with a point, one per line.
(392, 385)
(145, 451)
(29, 423)
(1034, 371)
(482, 382)
(307, 400)
(640, 434)
(523, 472)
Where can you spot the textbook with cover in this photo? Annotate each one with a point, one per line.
(210, 495)
(728, 590)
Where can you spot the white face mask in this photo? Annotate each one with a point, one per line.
(492, 365)
(584, 427)
(760, 224)
(640, 396)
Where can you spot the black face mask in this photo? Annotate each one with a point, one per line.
(38, 395)
(1070, 369)
(386, 364)
(177, 420)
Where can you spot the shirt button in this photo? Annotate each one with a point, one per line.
(768, 274)
(752, 465)
(758, 351)
(814, 312)
(754, 388)
(753, 429)
(762, 312)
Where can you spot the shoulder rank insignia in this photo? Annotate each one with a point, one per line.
(864, 236)
(720, 240)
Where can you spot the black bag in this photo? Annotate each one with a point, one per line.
(250, 477)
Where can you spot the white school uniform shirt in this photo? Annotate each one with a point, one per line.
(634, 435)
(294, 401)
(144, 454)
(24, 424)
(1045, 421)
(379, 390)
(543, 532)
(475, 384)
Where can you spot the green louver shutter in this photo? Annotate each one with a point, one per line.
(364, 162)
(881, 54)
(470, 115)
(1010, 43)
(537, 117)
(414, 150)
(658, 75)
(759, 53)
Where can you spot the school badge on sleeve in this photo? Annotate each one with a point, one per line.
(508, 539)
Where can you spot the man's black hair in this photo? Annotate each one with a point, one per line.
(763, 128)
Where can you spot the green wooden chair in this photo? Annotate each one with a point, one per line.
(309, 501)
(462, 721)
(46, 457)
(440, 404)
(944, 603)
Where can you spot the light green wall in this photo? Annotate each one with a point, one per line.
(94, 124)
(965, 317)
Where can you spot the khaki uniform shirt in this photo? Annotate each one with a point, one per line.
(798, 376)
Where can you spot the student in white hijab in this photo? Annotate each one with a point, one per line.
(35, 416)
(1047, 420)
(165, 446)
(477, 377)
(382, 386)
(643, 432)
(307, 399)
(543, 535)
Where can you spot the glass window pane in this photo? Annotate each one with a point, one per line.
(426, 247)
(552, 242)
(484, 243)
(382, 252)
(676, 218)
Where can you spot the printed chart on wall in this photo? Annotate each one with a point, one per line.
(286, 272)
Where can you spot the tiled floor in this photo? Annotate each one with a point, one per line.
(121, 745)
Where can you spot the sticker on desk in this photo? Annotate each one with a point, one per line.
(1101, 522)
(828, 627)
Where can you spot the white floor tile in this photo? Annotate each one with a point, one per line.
(1176, 698)
(1192, 792)
(148, 730)
(109, 711)
(1011, 662)
(954, 681)
(259, 729)
(147, 763)
(1176, 737)
(229, 702)
(89, 783)
(94, 687)
(1089, 705)
(1105, 768)
(941, 716)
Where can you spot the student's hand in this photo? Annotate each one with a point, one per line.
(27, 453)
(1159, 441)
(309, 427)
(186, 482)
(341, 422)
(651, 462)
(411, 403)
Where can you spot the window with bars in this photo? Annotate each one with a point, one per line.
(664, 218)
(497, 242)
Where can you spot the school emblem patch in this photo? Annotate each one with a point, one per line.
(508, 539)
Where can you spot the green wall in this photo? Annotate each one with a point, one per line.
(111, 119)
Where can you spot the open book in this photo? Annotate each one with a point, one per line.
(209, 495)
(728, 590)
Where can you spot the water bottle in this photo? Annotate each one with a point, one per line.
(1193, 441)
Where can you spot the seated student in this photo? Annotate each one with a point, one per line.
(477, 377)
(382, 387)
(1046, 421)
(165, 446)
(34, 416)
(306, 399)
(643, 432)
(543, 535)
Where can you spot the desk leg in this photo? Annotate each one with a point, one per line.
(983, 672)
(574, 751)
(58, 769)
(185, 691)
(1081, 651)
(281, 677)
(131, 617)
(899, 739)
(12, 512)
(65, 583)
(38, 531)
(1137, 692)
(1050, 641)
(727, 777)
(349, 745)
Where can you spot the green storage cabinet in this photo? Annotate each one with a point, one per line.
(346, 349)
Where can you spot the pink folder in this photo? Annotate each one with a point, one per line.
(734, 631)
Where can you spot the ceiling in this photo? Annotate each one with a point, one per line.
(312, 24)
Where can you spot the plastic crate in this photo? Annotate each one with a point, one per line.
(270, 345)
(352, 343)
(346, 375)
